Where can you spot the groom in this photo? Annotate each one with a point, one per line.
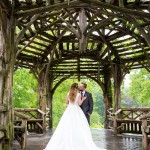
(87, 105)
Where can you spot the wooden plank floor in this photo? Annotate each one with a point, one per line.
(103, 138)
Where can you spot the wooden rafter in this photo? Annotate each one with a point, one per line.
(110, 32)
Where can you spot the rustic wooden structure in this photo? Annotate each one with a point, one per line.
(145, 130)
(25, 121)
(20, 129)
(34, 124)
(131, 120)
(60, 39)
(127, 120)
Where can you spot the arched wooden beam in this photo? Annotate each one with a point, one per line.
(48, 8)
(116, 8)
(22, 32)
(100, 83)
(51, 56)
(59, 82)
(141, 30)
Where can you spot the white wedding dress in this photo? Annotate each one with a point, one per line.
(73, 131)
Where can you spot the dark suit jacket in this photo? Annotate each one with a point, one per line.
(87, 105)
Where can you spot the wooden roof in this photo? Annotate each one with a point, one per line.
(82, 37)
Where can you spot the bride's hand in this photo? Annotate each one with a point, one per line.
(83, 98)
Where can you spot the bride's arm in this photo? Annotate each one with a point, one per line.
(80, 100)
(67, 98)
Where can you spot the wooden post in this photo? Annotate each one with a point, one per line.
(145, 130)
(24, 135)
(107, 93)
(83, 25)
(145, 136)
(117, 84)
(49, 99)
(45, 93)
(42, 94)
(7, 55)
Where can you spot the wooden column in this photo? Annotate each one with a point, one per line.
(42, 91)
(7, 55)
(49, 99)
(117, 85)
(107, 93)
(45, 94)
(82, 25)
(145, 130)
(39, 74)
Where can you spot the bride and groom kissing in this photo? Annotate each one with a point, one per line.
(87, 105)
(73, 130)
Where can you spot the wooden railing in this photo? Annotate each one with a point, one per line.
(36, 121)
(20, 130)
(126, 120)
(3, 109)
(2, 135)
(145, 130)
(47, 116)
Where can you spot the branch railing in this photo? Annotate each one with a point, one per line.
(126, 120)
(131, 120)
(20, 130)
(36, 121)
(2, 135)
(3, 109)
(47, 116)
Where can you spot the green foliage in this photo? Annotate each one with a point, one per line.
(59, 101)
(24, 89)
(96, 120)
(140, 86)
(97, 95)
(126, 99)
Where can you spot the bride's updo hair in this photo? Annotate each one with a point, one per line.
(73, 92)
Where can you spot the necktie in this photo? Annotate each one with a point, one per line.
(82, 94)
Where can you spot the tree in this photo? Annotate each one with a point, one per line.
(140, 86)
(24, 89)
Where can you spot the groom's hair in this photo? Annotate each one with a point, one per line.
(85, 85)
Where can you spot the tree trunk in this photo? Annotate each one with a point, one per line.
(7, 55)
(107, 92)
(50, 108)
(42, 94)
(45, 94)
(49, 99)
(117, 86)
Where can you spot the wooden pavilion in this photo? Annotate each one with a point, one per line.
(58, 39)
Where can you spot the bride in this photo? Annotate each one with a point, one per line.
(73, 131)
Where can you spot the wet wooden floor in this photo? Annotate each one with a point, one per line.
(103, 138)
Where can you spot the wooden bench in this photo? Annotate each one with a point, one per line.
(37, 119)
(145, 130)
(128, 120)
(20, 130)
(28, 120)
